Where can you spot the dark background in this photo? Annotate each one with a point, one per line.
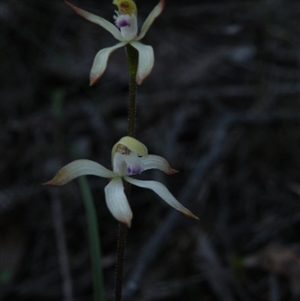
(222, 105)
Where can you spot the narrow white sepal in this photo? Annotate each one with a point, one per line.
(157, 10)
(117, 202)
(163, 192)
(146, 60)
(100, 62)
(79, 168)
(156, 162)
(98, 20)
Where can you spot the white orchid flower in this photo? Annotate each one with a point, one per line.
(126, 32)
(129, 157)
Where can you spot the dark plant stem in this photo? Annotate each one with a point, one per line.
(132, 61)
(122, 231)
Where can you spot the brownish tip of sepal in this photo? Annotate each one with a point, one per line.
(163, 4)
(171, 171)
(189, 214)
(94, 79)
(126, 223)
(77, 10)
(69, 4)
(56, 181)
(51, 183)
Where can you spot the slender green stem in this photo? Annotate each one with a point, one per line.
(132, 61)
(94, 239)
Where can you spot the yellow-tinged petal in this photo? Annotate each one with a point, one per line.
(132, 144)
(117, 202)
(98, 20)
(100, 62)
(157, 162)
(157, 10)
(163, 192)
(146, 60)
(126, 7)
(79, 168)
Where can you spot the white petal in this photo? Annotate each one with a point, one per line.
(150, 19)
(99, 21)
(157, 162)
(146, 60)
(117, 202)
(163, 192)
(100, 62)
(79, 168)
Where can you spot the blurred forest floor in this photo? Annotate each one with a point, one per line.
(222, 105)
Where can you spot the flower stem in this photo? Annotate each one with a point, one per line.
(132, 61)
(94, 239)
(122, 231)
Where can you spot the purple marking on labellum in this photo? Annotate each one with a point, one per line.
(133, 171)
(122, 22)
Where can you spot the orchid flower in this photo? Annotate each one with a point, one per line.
(129, 157)
(126, 32)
